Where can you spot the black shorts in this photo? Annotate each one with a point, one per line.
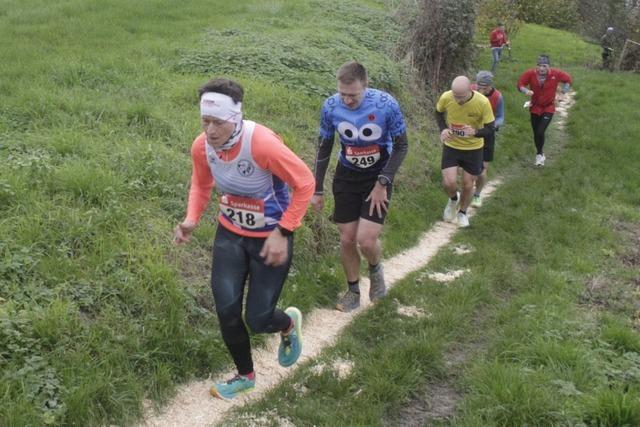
(350, 189)
(469, 160)
(487, 150)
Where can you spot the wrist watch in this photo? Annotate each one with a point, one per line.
(284, 231)
(384, 181)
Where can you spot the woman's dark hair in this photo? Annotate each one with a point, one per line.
(225, 87)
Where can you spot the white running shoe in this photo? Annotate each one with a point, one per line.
(463, 221)
(450, 210)
(542, 160)
(539, 161)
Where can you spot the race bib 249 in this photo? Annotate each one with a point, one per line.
(363, 157)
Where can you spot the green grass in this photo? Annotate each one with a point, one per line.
(543, 328)
(98, 311)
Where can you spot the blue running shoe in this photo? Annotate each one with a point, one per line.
(232, 388)
(291, 345)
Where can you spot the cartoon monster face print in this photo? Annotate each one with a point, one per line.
(369, 132)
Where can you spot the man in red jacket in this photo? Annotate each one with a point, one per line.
(541, 84)
(497, 39)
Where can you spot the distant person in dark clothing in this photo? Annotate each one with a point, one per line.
(606, 41)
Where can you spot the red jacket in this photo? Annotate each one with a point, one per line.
(493, 98)
(498, 38)
(544, 97)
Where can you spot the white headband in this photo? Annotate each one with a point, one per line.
(220, 106)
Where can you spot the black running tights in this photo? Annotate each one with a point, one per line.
(234, 258)
(539, 124)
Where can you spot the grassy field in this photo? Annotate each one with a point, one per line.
(97, 309)
(542, 329)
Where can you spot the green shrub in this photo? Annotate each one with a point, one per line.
(494, 11)
(562, 14)
(441, 40)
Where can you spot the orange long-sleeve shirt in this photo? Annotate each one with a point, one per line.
(270, 153)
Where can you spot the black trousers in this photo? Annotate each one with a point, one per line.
(607, 59)
(234, 258)
(539, 124)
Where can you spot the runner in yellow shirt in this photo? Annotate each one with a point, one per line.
(464, 117)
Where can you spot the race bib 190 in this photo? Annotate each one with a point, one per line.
(363, 157)
(457, 130)
(243, 211)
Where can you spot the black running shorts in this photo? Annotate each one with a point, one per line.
(489, 146)
(350, 191)
(469, 160)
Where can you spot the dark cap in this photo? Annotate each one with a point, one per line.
(544, 60)
(484, 78)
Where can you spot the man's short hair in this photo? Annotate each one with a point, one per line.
(352, 71)
(224, 86)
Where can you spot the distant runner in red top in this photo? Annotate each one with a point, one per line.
(541, 84)
(498, 40)
(252, 171)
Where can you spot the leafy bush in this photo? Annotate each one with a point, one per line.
(562, 14)
(597, 15)
(494, 11)
(441, 40)
(631, 59)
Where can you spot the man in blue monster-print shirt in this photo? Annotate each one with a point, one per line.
(373, 144)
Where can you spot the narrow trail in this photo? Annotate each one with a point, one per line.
(193, 406)
(436, 404)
